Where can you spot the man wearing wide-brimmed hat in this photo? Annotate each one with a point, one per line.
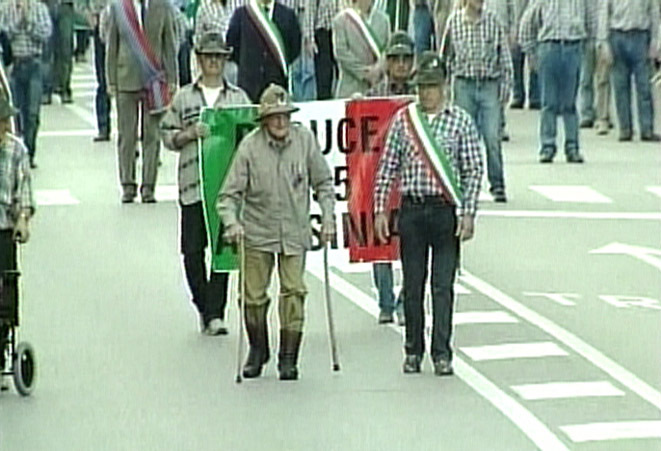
(180, 130)
(16, 201)
(434, 149)
(274, 169)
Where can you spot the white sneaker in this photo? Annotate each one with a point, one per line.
(216, 327)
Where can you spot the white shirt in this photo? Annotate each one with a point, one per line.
(270, 6)
(136, 6)
(210, 94)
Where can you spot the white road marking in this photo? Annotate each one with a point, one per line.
(522, 418)
(656, 190)
(83, 85)
(559, 298)
(165, 193)
(84, 114)
(571, 193)
(65, 133)
(646, 254)
(631, 301)
(618, 430)
(558, 214)
(558, 390)
(84, 95)
(492, 317)
(83, 77)
(514, 351)
(55, 197)
(597, 358)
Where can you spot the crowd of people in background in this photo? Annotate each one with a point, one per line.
(566, 58)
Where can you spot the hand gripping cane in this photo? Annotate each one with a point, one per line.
(329, 313)
(242, 307)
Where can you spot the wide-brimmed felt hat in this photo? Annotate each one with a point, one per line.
(430, 69)
(275, 100)
(400, 44)
(212, 43)
(6, 108)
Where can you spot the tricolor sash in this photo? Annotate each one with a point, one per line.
(433, 153)
(270, 33)
(365, 32)
(153, 74)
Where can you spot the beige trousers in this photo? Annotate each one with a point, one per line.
(259, 267)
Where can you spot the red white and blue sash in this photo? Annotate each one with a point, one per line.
(433, 153)
(153, 74)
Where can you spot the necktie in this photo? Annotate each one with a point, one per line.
(142, 13)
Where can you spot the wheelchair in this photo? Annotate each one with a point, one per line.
(18, 356)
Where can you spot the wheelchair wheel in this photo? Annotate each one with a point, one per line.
(25, 369)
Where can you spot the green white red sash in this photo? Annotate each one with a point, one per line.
(270, 32)
(365, 32)
(433, 153)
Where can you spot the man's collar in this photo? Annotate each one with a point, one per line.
(274, 143)
(198, 84)
(466, 17)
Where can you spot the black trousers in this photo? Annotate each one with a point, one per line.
(324, 64)
(8, 306)
(424, 226)
(209, 293)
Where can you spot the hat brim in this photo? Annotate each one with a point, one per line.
(284, 109)
(399, 50)
(225, 51)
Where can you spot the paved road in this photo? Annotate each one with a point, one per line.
(557, 332)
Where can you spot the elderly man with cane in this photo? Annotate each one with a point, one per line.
(274, 169)
(434, 149)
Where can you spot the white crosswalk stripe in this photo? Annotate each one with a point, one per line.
(591, 432)
(571, 194)
(558, 390)
(493, 317)
(514, 351)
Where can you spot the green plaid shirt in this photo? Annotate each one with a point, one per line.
(15, 182)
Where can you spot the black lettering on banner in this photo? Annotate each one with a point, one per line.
(342, 130)
(367, 132)
(325, 150)
(342, 179)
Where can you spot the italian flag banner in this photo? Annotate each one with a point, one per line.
(216, 153)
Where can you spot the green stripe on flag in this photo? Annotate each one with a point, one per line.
(227, 127)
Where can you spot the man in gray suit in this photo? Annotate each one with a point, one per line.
(131, 74)
(360, 33)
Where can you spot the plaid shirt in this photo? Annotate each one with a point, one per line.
(15, 182)
(27, 36)
(556, 20)
(455, 130)
(478, 50)
(627, 15)
(213, 16)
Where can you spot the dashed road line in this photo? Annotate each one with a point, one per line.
(618, 430)
(571, 194)
(511, 351)
(559, 390)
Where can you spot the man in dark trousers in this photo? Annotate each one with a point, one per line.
(266, 38)
(434, 149)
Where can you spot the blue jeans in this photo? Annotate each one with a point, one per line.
(559, 69)
(519, 92)
(630, 50)
(423, 28)
(26, 87)
(383, 280)
(480, 98)
(102, 98)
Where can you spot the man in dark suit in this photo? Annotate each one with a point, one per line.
(130, 83)
(266, 38)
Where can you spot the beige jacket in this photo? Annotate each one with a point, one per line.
(271, 184)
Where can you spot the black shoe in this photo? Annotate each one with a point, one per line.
(254, 364)
(534, 106)
(653, 138)
(499, 196)
(46, 99)
(505, 137)
(625, 137)
(290, 342)
(586, 123)
(574, 157)
(443, 367)
(516, 105)
(412, 364)
(546, 157)
(148, 199)
(33, 165)
(101, 138)
(386, 318)
(66, 98)
(128, 198)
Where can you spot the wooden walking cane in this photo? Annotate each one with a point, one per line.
(329, 314)
(242, 307)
